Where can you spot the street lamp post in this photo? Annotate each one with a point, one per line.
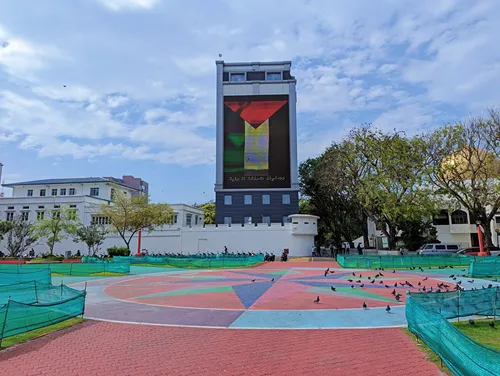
(480, 238)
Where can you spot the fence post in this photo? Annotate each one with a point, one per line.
(458, 306)
(60, 298)
(495, 304)
(84, 298)
(36, 292)
(4, 321)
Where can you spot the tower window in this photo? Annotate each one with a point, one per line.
(273, 76)
(228, 200)
(237, 77)
(285, 199)
(266, 199)
(248, 199)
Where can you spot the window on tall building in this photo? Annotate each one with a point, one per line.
(188, 219)
(62, 191)
(273, 76)
(256, 76)
(53, 192)
(248, 199)
(100, 220)
(94, 191)
(72, 212)
(10, 216)
(227, 220)
(266, 199)
(459, 217)
(285, 199)
(228, 200)
(112, 196)
(72, 191)
(266, 219)
(42, 192)
(237, 77)
(40, 215)
(25, 215)
(56, 214)
(247, 220)
(30, 193)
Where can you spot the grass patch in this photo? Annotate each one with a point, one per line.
(431, 356)
(481, 332)
(106, 274)
(25, 337)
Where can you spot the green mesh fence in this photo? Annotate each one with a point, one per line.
(32, 305)
(485, 267)
(9, 277)
(397, 262)
(427, 316)
(194, 261)
(75, 269)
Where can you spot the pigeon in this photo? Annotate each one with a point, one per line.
(463, 270)
(332, 271)
(453, 275)
(349, 280)
(381, 274)
(354, 274)
(397, 297)
(387, 286)
(364, 305)
(362, 285)
(472, 322)
(394, 271)
(421, 269)
(490, 286)
(393, 292)
(333, 288)
(358, 281)
(423, 289)
(396, 284)
(316, 300)
(373, 281)
(381, 282)
(426, 278)
(419, 283)
(388, 309)
(326, 272)
(369, 277)
(253, 280)
(272, 280)
(64, 85)
(492, 324)
(352, 286)
(360, 276)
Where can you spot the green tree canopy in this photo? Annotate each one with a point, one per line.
(20, 236)
(92, 235)
(60, 224)
(128, 215)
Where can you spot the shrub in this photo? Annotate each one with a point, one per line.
(118, 251)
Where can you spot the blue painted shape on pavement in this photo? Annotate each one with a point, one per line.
(321, 319)
(249, 294)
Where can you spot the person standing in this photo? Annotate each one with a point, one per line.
(360, 249)
(347, 247)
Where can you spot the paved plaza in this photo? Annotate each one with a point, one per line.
(254, 321)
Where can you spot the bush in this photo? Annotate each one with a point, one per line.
(118, 251)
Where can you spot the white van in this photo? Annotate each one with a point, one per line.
(438, 249)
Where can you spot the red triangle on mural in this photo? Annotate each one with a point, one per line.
(255, 113)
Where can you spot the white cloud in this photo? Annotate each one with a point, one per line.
(117, 5)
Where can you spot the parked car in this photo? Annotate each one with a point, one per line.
(474, 251)
(438, 249)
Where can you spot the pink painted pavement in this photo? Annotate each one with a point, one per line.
(111, 349)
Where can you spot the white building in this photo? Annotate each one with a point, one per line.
(187, 233)
(452, 227)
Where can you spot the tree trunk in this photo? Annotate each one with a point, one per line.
(391, 238)
(488, 241)
(364, 227)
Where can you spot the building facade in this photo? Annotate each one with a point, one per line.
(256, 156)
(452, 227)
(140, 185)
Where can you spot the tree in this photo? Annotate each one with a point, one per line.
(466, 167)
(338, 221)
(209, 211)
(128, 215)
(416, 232)
(20, 236)
(61, 223)
(392, 187)
(4, 228)
(92, 235)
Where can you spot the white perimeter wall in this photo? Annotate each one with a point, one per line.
(253, 238)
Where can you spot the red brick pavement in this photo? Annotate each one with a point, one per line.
(109, 349)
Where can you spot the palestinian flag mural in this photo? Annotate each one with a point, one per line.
(256, 142)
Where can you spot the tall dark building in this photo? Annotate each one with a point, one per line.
(256, 171)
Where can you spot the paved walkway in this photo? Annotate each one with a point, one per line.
(109, 349)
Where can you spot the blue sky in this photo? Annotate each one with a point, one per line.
(139, 75)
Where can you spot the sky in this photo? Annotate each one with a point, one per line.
(127, 87)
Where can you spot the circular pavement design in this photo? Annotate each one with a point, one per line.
(259, 298)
